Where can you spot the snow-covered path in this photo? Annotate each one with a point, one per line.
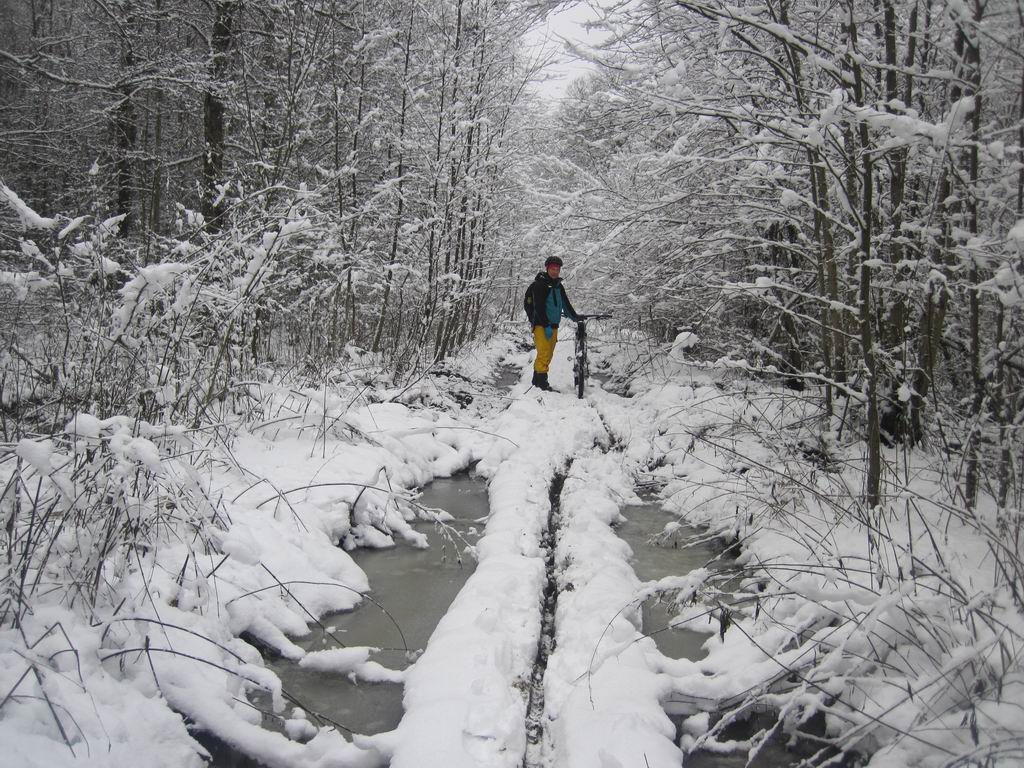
(602, 686)
(486, 692)
(541, 659)
(464, 698)
(473, 700)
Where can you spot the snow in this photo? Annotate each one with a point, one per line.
(462, 701)
(790, 199)
(71, 226)
(148, 283)
(683, 341)
(29, 219)
(283, 529)
(23, 283)
(354, 662)
(603, 687)
(253, 548)
(1016, 235)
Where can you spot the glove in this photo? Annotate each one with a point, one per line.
(548, 332)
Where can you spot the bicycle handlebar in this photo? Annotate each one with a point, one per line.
(593, 317)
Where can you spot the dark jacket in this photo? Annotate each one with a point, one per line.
(536, 301)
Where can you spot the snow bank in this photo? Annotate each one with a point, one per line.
(886, 621)
(247, 543)
(603, 689)
(464, 698)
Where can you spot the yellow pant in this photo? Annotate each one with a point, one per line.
(545, 348)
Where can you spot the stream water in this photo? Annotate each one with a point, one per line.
(415, 587)
(654, 559)
(508, 376)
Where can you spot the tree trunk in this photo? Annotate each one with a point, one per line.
(400, 206)
(125, 125)
(972, 63)
(214, 115)
(872, 484)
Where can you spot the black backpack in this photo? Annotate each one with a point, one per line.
(528, 302)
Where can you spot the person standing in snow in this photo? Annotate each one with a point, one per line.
(546, 303)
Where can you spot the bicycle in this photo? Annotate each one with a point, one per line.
(581, 365)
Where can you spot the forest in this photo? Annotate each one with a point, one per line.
(221, 216)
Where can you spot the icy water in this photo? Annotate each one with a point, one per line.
(775, 754)
(508, 377)
(655, 558)
(415, 587)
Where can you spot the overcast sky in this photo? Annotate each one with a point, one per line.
(567, 24)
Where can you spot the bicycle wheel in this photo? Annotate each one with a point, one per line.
(581, 376)
(577, 360)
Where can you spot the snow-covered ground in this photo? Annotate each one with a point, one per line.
(891, 623)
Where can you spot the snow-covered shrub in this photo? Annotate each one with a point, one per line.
(85, 506)
(892, 632)
(172, 332)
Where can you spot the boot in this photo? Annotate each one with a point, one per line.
(542, 382)
(536, 380)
